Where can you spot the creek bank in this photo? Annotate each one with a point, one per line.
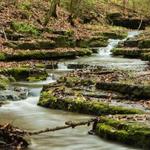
(127, 129)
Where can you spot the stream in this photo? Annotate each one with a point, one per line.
(27, 115)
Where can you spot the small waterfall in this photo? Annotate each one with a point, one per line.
(106, 51)
(62, 66)
(132, 34)
(112, 43)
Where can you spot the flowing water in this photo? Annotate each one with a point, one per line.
(27, 115)
(104, 57)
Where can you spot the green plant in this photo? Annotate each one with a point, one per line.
(23, 27)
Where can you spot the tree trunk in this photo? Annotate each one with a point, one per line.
(52, 11)
(74, 8)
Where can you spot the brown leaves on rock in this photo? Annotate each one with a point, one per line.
(136, 118)
(12, 137)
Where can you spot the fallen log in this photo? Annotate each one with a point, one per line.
(12, 138)
(68, 124)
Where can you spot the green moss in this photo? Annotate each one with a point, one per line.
(144, 43)
(2, 56)
(46, 96)
(64, 41)
(34, 45)
(25, 73)
(131, 53)
(23, 27)
(80, 105)
(115, 35)
(96, 41)
(124, 132)
(24, 5)
(37, 78)
(4, 82)
(133, 91)
(47, 55)
(146, 56)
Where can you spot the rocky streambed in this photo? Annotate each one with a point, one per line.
(116, 89)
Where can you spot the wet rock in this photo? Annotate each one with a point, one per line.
(130, 52)
(125, 129)
(31, 45)
(24, 74)
(144, 43)
(64, 41)
(14, 94)
(133, 91)
(95, 41)
(114, 35)
(131, 43)
(146, 56)
(129, 22)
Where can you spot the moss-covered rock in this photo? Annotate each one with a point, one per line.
(4, 82)
(130, 52)
(146, 56)
(68, 32)
(80, 105)
(131, 42)
(31, 45)
(64, 41)
(95, 41)
(25, 73)
(144, 43)
(122, 131)
(132, 90)
(46, 54)
(115, 35)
